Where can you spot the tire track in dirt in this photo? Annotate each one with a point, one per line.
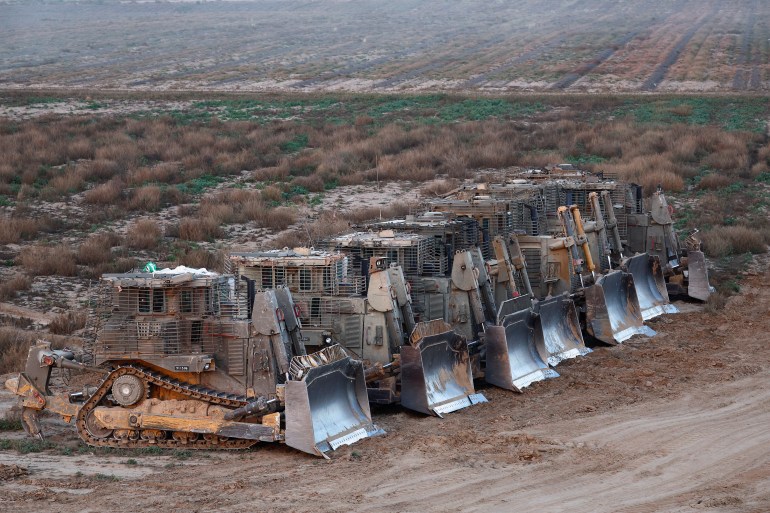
(598, 60)
(657, 76)
(551, 43)
(742, 76)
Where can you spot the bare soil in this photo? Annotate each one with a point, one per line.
(262, 45)
(673, 423)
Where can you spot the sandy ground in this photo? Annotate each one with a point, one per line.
(674, 423)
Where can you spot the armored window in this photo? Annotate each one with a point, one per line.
(328, 280)
(145, 301)
(279, 276)
(186, 301)
(267, 278)
(207, 300)
(305, 281)
(158, 300)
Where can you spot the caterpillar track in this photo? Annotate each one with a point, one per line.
(135, 439)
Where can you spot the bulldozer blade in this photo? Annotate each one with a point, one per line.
(513, 361)
(650, 285)
(562, 338)
(697, 276)
(436, 376)
(513, 305)
(612, 309)
(326, 402)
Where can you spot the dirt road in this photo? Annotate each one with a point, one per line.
(674, 423)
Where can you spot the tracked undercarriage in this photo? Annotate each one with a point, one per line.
(179, 368)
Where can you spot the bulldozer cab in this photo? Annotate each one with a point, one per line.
(175, 319)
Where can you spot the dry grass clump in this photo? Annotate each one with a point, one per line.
(199, 229)
(277, 219)
(272, 193)
(713, 181)
(310, 234)
(10, 287)
(15, 229)
(14, 348)
(97, 249)
(143, 234)
(716, 302)
(219, 213)
(198, 258)
(42, 260)
(732, 240)
(145, 199)
(68, 183)
(651, 171)
(67, 323)
(108, 193)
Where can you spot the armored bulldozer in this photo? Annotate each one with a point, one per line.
(634, 224)
(180, 364)
(363, 302)
(468, 293)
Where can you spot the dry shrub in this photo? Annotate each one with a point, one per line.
(100, 169)
(143, 234)
(120, 148)
(274, 173)
(67, 323)
(14, 230)
(228, 163)
(277, 219)
(714, 181)
(290, 239)
(312, 183)
(145, 199)
(716, 302)
(70, 182)
(108, 193)
(117, 265)
(97, 249)
(759, 168)
(272, 193)
(80, 148)
(651, 171)
(10, 287)
(166, 172)
(41, 260)
(199, 229)
(732, 240)
(217, 213)
(14, 348)
(198, 258)
(729, 159)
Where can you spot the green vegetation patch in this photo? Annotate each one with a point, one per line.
(730, 113)
(200, 184)
(296, 144)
